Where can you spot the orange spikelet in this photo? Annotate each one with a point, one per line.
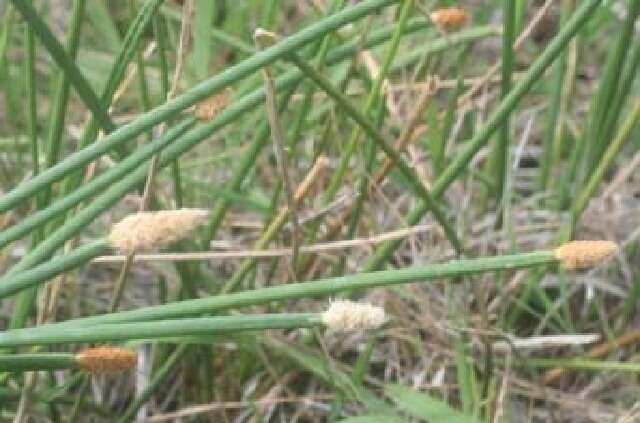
(211, 107)
(576, 255)
(106, 359)
(450, 18)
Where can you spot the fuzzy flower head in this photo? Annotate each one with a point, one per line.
(145, 231)
(450, 18)
(577, 255)
(344, 315)
(101, 360)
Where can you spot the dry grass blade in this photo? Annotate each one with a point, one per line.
(263, 38)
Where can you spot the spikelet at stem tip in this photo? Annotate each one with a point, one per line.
(348, 315)
(106, 359)
(576, 255)
(450, 18)
(145, 231)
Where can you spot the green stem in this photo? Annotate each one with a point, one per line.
(5, 34)
(557, 88)
(596, 137)
(26, 300)
(90, 153)
(65, 62)
(63, 85)
(36, 362)
(10, 284)
(501, 151)
(605, 162)
(129, 48)
(160, 34)
(170, 153)
(31, 85)
(201, 326)
(372, 98)
(226, 78)
(322, 287)
(87, 190)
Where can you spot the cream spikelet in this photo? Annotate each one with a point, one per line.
(348, 315)
(450, 18)
(146, 231)
(211, 107)
(584, 254)
(106, 359)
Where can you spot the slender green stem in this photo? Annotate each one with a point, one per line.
(603, 113)
(90, 153)
(366, 125)
(189, 140)
(160, 33)
(307, 101)
(556, 89)
(31, 88)
(596, 137)
(249, 160)
(372, 98)
(86, 155)
(63, 60)
(36, 361)
(293, 78)
(26, 300)
(63, 85)
(202, 45)
(5, 32)
(501, 150)
(457, 167)
(81, 219)
(605, 163)
(89, 189)
(10, 284)
(323, 287)
(201, 326)
(143, 85)
(196, 94)
(129, 48)
(361, 191)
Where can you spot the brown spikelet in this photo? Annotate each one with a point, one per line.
(145, 231)
(106, 359)
(211, 107)
(584, 254)
(450, 18)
